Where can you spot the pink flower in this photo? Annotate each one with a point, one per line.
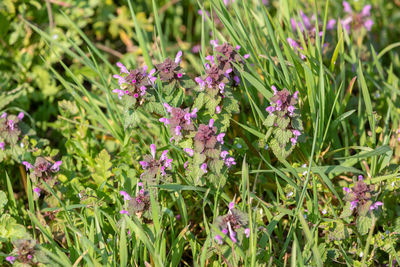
(178, 57)
(247, 232)
(56, 166)
(376, 205)
(220, 138)
(189, 151)
(27, 165)
(218, 238)
(203, 167)
(353, 204)
(2, 145)
(37, 191)
(124, 212)
(10, 259)
(122, 67)
(126, 196)
(21, 115)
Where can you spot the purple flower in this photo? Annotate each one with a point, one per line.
(331, 24)
(165, 121)
(10, 259)
(37, 191)
(230, 161)
(124, 212)
(218, 238)
(231, 205)
(376, 205)
(56, 166)
(135, 82)
(218, 110)
(21, 115)
(357, 20)
(27, 165)
(181, 121)
(346, 189)
(2, 145)
(151, 165)
(220, 138)
(196, 49)
(126, 196)
(224, 154)
(169, 70)
(189, 151)
(353, 204)
(247, 232)
(203, 167)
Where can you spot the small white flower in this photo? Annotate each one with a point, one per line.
(55, 36)
(361, 254)
(239, 146)
(21, 145)
(324, 211)
(289, 194)
(266, 147)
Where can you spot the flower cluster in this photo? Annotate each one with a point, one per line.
(151, 165)
(170, 70)
(360, 196)
(139, 204)
(231, 225)
(221, 70)
(356, 21)
(42, 171)
(180, 121)
(308, 30)
(285, 122)
(9, 129)
(135, 82)
(206, 140)
(25, 252)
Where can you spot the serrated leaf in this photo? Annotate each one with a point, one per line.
(338, 231)
(347, 211)
(270, 120)
(282, 136)
(199, 101)
(363, 224)
(175, 99)
(211, 104)
(101, 170)
(186, 82)
(3, 200)
(282, 122)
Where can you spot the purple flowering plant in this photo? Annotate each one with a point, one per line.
(283, 123)
(356, 21)
(234, 225)
(360, 198)
(42, 171)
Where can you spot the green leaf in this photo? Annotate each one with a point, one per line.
(3, 201)
(199, 101)
(338, 231)
(270, 120)
(364, 223)
(283, 122)
(347, 211)
(101, 171)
